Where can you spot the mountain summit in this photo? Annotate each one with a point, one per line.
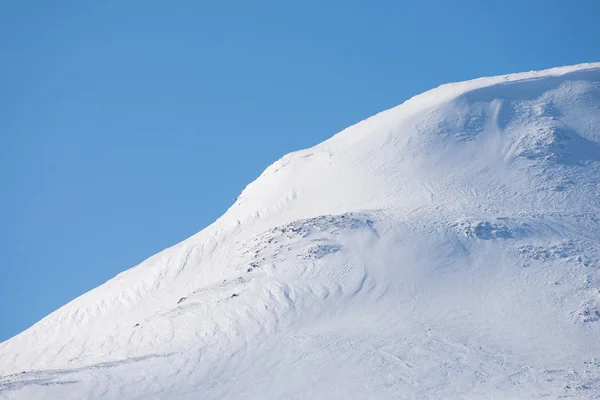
(446, 248)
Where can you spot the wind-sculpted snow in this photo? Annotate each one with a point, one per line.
(448, 248)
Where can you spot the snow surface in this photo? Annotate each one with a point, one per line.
(448, 248)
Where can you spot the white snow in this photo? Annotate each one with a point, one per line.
(448, 248)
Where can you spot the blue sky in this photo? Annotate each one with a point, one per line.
(126, 127)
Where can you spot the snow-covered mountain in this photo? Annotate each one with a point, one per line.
(448, 248)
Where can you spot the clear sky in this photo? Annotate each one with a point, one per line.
(128, 126)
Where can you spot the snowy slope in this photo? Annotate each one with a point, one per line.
(448, 248)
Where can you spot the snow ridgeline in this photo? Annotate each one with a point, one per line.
(446, 248)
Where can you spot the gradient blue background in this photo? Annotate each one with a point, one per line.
(126, 127)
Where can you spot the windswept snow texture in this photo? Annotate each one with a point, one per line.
(448, 248)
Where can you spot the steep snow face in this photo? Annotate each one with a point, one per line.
(446, 248)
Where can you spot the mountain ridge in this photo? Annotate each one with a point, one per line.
(413, 216)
